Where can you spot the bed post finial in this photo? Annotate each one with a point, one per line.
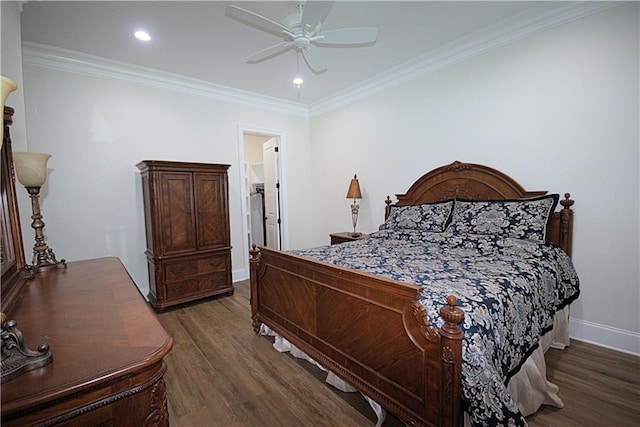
(567, 202)
(387, 208)
(254, 252)
(452, 316)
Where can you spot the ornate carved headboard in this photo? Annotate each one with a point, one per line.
(478, 182)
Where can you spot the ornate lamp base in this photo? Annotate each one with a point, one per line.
(44, 260)
(16, 358)
(354, 218)
(43, 257)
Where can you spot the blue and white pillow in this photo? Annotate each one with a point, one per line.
(428, 217)
(523, 219)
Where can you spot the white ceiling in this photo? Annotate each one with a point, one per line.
(197, 39)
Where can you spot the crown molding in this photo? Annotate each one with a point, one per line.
(539, 18)
(45, 56)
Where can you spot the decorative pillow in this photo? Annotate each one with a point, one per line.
(429, 217)
(523, 218)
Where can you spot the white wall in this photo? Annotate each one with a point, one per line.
(557, 111)
(11, 66)
(99, 129)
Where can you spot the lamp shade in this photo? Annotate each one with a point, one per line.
(354, 189)
(8, 86)
(31, 168)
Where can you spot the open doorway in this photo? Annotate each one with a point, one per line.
(261, 155)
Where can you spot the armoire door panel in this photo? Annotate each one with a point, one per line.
(178, 232)
(211, 199)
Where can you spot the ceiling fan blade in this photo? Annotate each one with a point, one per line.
(270, 52)
(254, 20)
(347, 37)
(314, 13)
(311, 60)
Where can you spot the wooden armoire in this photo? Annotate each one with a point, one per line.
(187, 227)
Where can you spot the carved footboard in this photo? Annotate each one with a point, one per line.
(370, 331)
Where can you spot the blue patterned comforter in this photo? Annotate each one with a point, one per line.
(508, 288)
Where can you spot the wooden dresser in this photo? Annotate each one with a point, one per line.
(107, 345)
(187, 227)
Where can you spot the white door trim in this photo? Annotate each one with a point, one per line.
(243, 272)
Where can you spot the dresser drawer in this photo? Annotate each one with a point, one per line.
(198, 285)
(184, 269)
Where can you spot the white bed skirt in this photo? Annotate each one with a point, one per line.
(529, 387)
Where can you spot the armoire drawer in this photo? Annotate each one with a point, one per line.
(185, 269)
(198, 285)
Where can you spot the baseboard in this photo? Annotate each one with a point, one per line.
(605, 336)
(240, 274)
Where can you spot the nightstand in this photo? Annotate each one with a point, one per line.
(345, 237)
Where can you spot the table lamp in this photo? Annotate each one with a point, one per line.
(354, 193)
(31, 170)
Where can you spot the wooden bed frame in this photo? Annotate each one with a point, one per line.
(372, 331)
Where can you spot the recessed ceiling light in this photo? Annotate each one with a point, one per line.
(142, 35)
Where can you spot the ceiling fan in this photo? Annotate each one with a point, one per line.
(301, 30)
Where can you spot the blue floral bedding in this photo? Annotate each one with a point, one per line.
(509, 289)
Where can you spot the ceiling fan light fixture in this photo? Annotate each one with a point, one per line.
(142, 35)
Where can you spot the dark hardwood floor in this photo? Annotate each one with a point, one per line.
(222, 374)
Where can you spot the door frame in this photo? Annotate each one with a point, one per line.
(282, 172)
